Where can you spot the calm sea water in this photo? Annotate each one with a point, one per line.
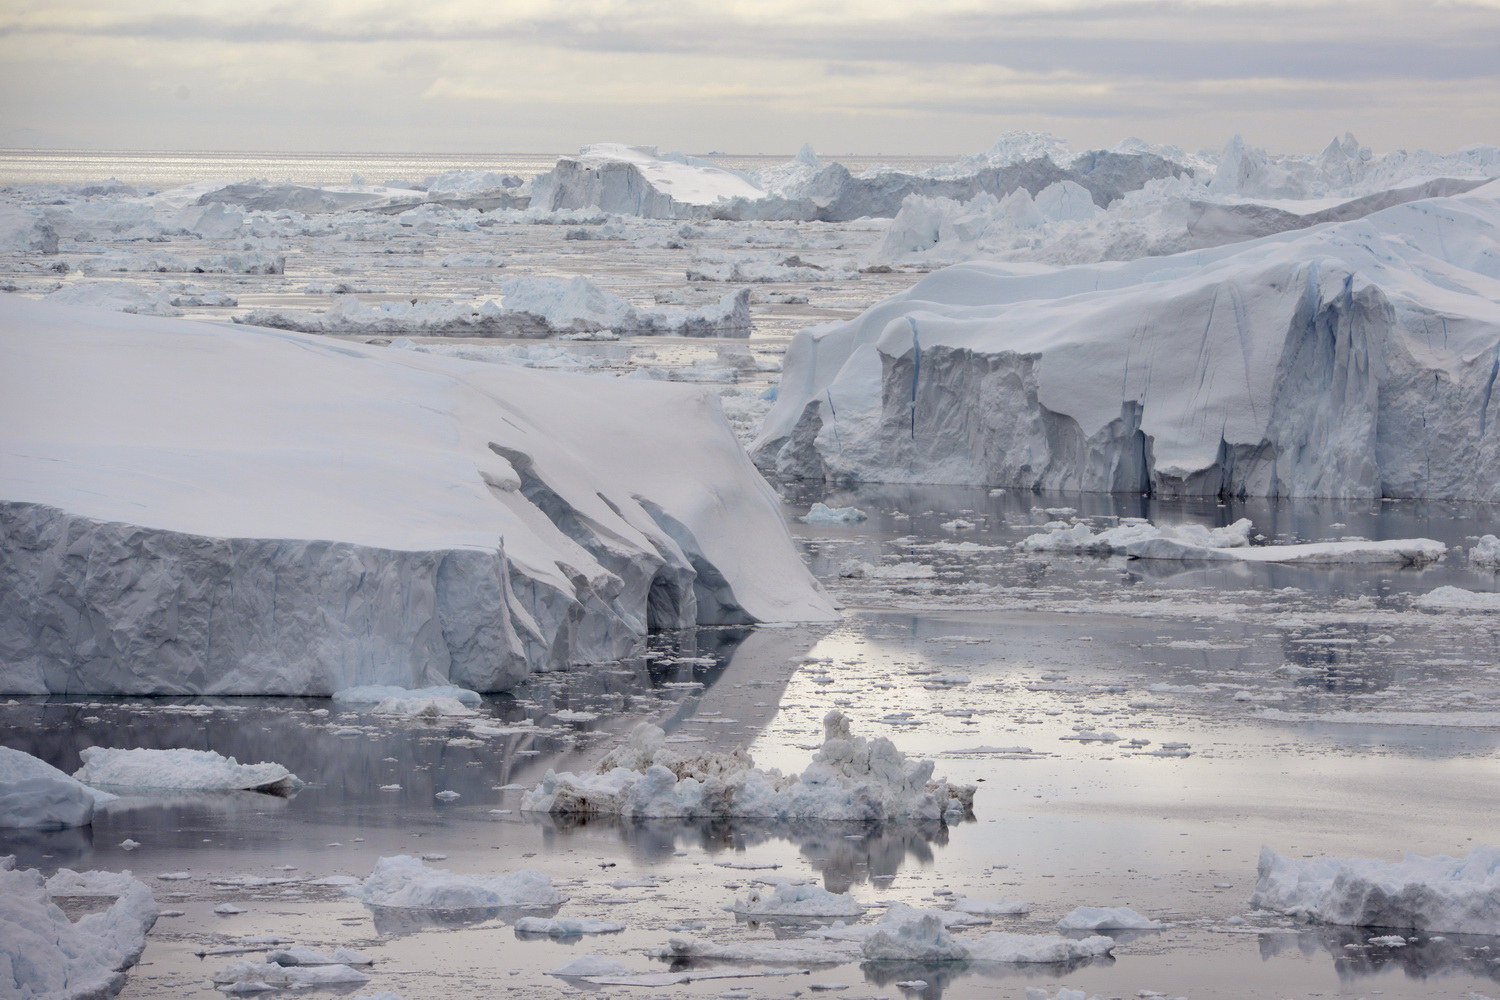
(164, 169)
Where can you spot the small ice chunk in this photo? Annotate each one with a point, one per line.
(824, 514)
(403, 881)
(1098, 918)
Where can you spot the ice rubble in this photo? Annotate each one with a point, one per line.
(180, 769)
(789, 898)
(196, 508)
(1196, 543)
(46, 956)
(849, 778)
(404, 881)
(1297, 365)
(1437, 894)
(531, 307)
(37, 796)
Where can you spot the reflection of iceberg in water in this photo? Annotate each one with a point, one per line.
(940, 978)
(1354, 957)
(66, 848)
(846, 854)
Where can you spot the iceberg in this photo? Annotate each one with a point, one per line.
(43, 954)
(1305, 364)
(637, 180)
(34, 795)
(1437, 894)
(196, 508)
(404, 881)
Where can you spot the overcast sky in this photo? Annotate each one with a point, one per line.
(744, 76)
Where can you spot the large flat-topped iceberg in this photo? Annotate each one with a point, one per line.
(636, 180)
(1357, 359)
(201, 508)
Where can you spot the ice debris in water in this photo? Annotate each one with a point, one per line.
(403, 881)
(910, 935)
(1063, 993)
(1486, 554)
(1440, 893)
(849, 778)
(180, 769)
(1078, 537)
(302, 955)
(787, 898)
(43, 954)
(997, 908)
(823, 514)
(1104, 918)
(246, 977)
(35, 795)
(591, 965)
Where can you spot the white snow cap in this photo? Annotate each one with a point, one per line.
(1436, 894)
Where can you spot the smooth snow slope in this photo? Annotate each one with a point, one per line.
(190, 507)
(1356, 359)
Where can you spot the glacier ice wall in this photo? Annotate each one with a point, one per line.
(200, 508)
(1357, 359)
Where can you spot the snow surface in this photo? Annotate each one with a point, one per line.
(849, 778)
(1296, 365)
(180, 769)
(35, 795)
(46, 956)
(404, 881)
(1437, 894)
(267, 512)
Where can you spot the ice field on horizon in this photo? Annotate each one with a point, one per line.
(1115, 610)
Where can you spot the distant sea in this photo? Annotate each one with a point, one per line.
(162, 169)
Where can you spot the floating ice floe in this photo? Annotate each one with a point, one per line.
(795, 899)
(909, 935)
(254, 977)
(823, 514)
(46, 955)
(180, 769)
(1196, 543)
(1104, 918)
(304, 956)
(1436, 894)
(566, 926)
(1457, 599)
(591, 965)
(1486, 554)
(35, 795)
(849, 778)
(1136, 376)
(995, 908)
(404, 881)
(397, 545)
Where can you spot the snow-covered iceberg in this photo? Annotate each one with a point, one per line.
(180, 769)
(46, 956)
(199, 508)
(37, 796)
(1437, 894)
(637, 180)
(1354, 360)
(849, 778)
(404, 881)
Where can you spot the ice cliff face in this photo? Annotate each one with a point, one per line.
(192, 508)
(1355, 360)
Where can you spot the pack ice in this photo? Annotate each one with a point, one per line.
(1356, 359)
(849, 778)
(200, 508)
(1437, 894)
(46, 956)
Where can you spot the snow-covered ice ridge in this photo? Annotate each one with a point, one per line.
(850, 778)
(1438, 894)
(1356, 359)
(202, 508)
